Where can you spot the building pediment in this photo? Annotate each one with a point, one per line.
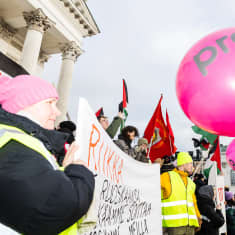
(81, 12)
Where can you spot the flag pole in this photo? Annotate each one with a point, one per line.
(170, 145)
(150, 145)
(198, 166)
(169, 136)
(200, 163)
(205, 157)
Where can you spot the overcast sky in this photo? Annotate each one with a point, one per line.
(144, 42)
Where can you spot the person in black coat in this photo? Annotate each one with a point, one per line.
(212, 217)
(37, 198)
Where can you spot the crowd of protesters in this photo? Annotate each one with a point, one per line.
(208, 210)
(188, 207)
(45, 190)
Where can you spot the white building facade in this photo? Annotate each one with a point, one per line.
(229, 174)
(33, 30)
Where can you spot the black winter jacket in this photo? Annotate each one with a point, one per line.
(35, 199)
(214, 217)
(230, 219)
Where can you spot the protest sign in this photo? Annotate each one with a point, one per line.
(221, 199)
(128, 194)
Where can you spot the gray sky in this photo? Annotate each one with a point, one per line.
(143, 42)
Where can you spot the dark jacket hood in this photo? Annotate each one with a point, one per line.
(53, 140)
(200, 182)
(206, 194)
(206, 191)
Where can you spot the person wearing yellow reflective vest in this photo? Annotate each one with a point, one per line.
(180, 214)
(37, 198)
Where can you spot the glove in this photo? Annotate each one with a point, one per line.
(197, 229)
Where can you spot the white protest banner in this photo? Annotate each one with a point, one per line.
(128, 194)
(221, 199)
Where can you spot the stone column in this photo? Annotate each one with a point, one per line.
(70, 52)
(43, 58)
(37, 24)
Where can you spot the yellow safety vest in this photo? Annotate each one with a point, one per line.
(178, 210)
(8, 133)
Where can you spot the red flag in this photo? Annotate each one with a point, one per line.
(156, 133)
(125, 94)
(170, 135)
(216, 156)
(123, 104)
(100, 112)
(149, 131)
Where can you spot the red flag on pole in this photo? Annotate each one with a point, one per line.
(149, 131)
(100, 112)
(123, 104)
(125, 94)
(156, 133)
(216, 156)
(170, 135)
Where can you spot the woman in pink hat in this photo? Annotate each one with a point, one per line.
(37, 198)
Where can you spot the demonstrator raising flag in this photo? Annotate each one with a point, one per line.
(123, 104)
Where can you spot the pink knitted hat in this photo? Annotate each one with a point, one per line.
(22, 91)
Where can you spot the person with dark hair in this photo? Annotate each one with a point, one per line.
(230, 212)
(226, 188)
(112, 128)
(125, 139)
(69, 128)
(212, 216)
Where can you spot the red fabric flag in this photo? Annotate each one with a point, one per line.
(149, 131)
(216, 156)
(156, 133)
(204, 144)
(170, 135)
(100, 112)
(125, 94)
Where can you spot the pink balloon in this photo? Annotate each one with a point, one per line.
(230, 155)
(205, 84)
